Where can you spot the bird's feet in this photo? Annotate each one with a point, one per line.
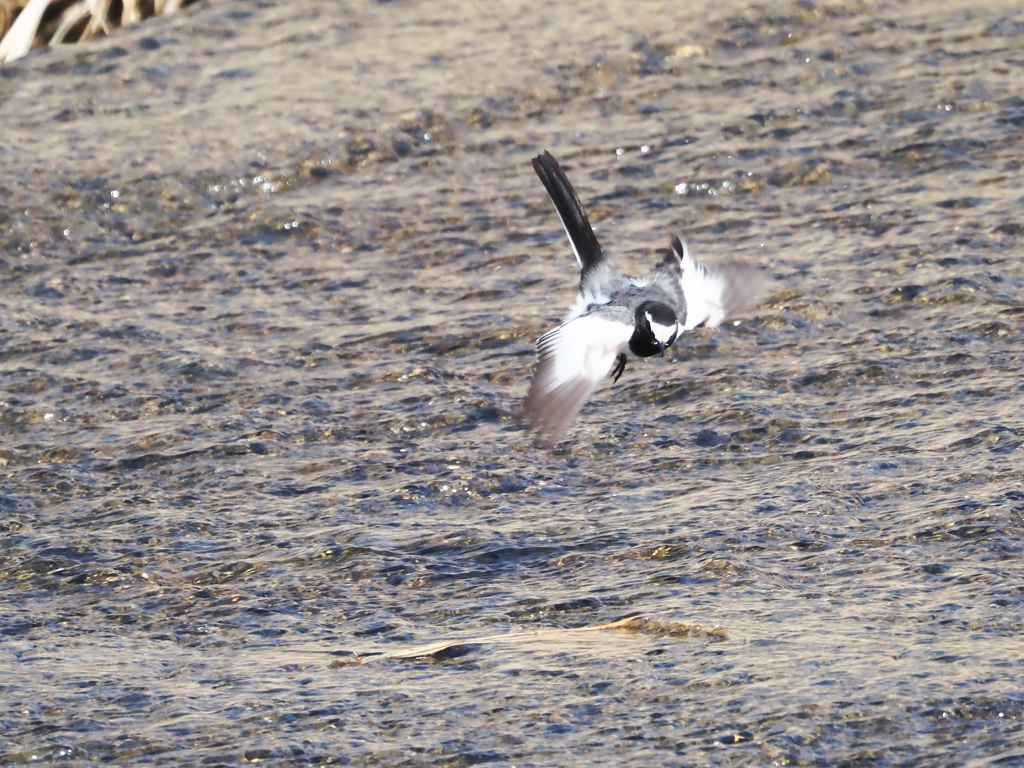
(620, 366)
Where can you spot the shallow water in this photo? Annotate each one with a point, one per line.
(271, 278)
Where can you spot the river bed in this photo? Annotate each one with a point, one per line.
(270, 283)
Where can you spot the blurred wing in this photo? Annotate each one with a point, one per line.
(719, 293)
(572, 360)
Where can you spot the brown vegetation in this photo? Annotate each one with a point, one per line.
(28, 24)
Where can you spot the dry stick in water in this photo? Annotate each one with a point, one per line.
(638, 622)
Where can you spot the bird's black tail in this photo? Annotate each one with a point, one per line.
(574, 219)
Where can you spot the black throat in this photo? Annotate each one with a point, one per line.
(643, 342)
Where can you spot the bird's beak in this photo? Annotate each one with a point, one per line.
(661, 345)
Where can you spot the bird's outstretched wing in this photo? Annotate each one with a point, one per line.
(570, 211)
(716, 293)
(572, 359)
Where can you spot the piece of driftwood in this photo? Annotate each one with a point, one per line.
(449, 649)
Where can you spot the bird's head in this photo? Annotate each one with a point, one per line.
(656, 328)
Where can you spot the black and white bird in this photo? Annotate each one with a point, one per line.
(615, 318)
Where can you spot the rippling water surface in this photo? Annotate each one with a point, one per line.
(270, 281)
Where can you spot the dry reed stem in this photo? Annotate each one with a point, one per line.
(71, 16)
(167, 6)
(98, 10)
(130, 12)
(18, 40)
(64, 22)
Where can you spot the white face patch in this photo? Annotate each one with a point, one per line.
(663, 333)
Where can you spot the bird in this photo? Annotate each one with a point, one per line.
(615, 319)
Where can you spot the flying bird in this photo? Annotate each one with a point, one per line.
(616, 319)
